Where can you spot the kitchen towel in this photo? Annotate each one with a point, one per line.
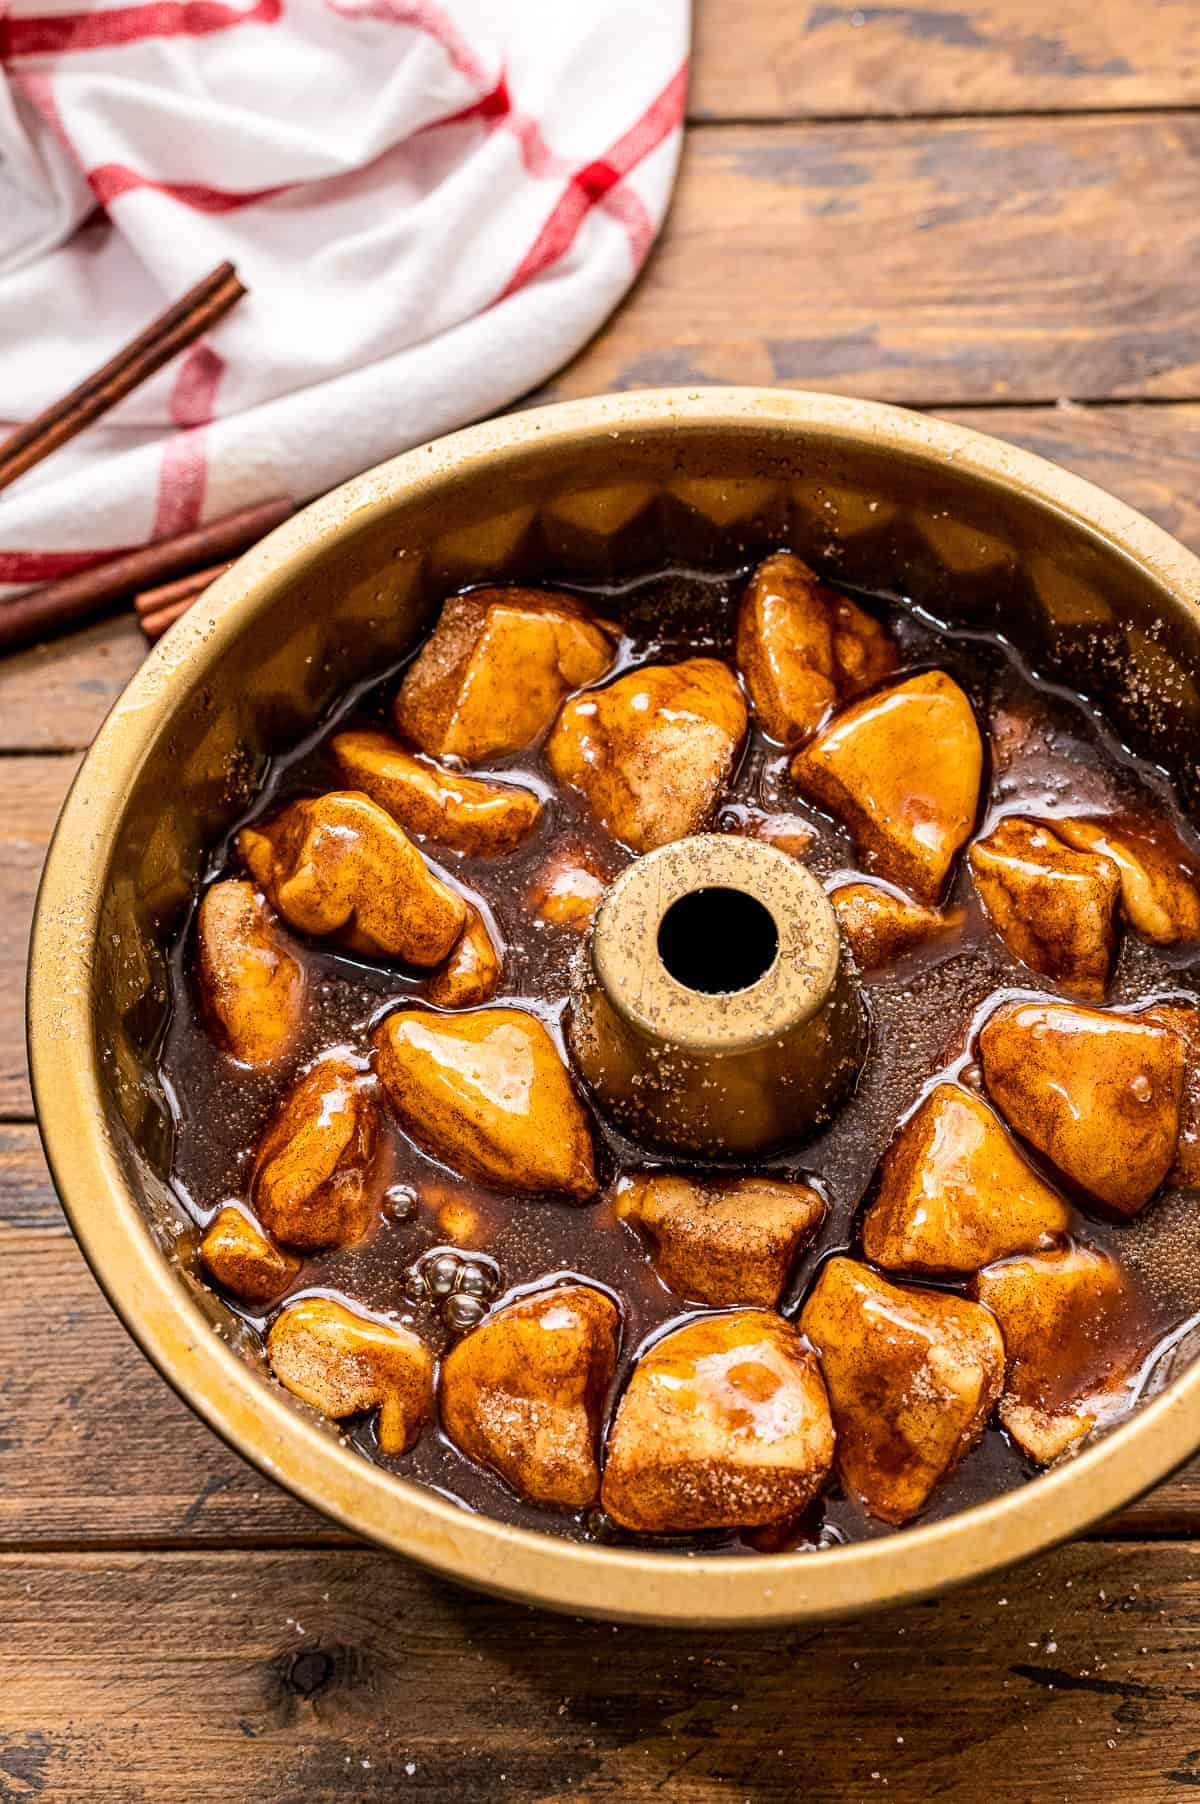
(434, 203)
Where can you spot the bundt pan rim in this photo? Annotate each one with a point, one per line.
(94, 1101)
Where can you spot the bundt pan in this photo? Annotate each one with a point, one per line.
(973, 529)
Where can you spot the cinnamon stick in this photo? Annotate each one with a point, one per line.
(184, 588)
(190, 317)
(154, 625)
(63, 604)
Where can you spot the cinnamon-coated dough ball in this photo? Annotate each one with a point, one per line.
(343, 1362)
(486, 1092)
(913, 1376)
(724, 1424)
(492, 674)
(523, 1392)
(653, 752)
(902, 769)
(337, 864)
(252, 987)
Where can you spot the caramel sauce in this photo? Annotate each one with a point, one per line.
(1051, 754)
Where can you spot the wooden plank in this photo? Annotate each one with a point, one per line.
(335, 1675)
(31, 794)
(75, 1382)
(70, 1469)
(1149, 456)
(1010, 260)
(776, 59)
(54, 696)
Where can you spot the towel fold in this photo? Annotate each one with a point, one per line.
(433, 205)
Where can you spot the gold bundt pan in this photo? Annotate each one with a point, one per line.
(973, 530)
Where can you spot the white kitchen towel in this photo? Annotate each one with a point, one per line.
(434, 203)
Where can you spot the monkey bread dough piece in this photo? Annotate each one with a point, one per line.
(493, 673)
(901, 768)
(912, 1375)
(802, 648)
(339, 864)
(1099, 1094)
(724, 1424)
(1184, 1019)
(790, 832)
(523, 1392)
(1160, 892)
(881, 928)
(471, 975)
(472, 815)
(568, 888)
(721, 1240)
(316, 1177)
(487, 1093)
(252, 987)
(238, 1256)
(1054, 908)
(955, 1193)
(343, 1363)
(1073, 1335)
(653, 752)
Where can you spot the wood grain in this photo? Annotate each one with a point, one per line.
(787, 59)
(1149, 456)
(31, 794)
(338, 1675)
(71, 1470)
(981, 265)
(54, 696)
(1009, 260)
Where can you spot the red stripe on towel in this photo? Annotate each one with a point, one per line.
(52, 34)
(592, 182)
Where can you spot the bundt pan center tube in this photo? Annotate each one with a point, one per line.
(973, 531)
(719, 1014)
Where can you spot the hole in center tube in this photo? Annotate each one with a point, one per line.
(717, 940)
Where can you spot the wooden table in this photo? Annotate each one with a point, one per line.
(991, 210)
